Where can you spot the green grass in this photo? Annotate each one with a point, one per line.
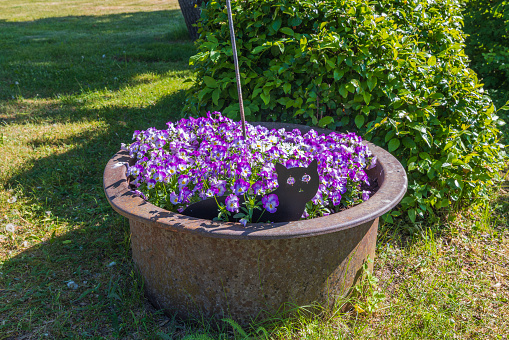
(76, 79)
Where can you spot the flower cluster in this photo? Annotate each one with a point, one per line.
(195, 159)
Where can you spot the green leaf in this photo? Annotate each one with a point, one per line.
(448, 145)
(424, 155)
(258, 49)
(408, 200)
(387, 218)
(367, 97)
(355, 83)
(359, 121)
(393, 144)
(325, 121)
(338, 74)
(287, 87)
(432, 61)
(411, 215)
(409, 143)
(215, 96)
(203, 93)
(287, 31)
(276, 24)
(265, 98)
(443, 203)
(371, 83)
(389, 135)
(343, 91)
(210, 82)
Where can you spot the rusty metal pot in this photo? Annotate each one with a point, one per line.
(195, 267)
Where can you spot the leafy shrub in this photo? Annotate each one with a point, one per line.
(487, 44)
(394, 71)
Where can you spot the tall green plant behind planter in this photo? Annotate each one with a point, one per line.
(487, 44)
(394, 71)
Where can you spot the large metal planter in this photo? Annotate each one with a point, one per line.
(196, 267)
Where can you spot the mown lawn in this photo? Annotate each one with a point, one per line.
(77, 77)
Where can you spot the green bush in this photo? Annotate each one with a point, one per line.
(487, 44)
(394, 71)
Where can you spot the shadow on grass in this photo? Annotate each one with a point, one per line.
(48, 66)
(49, 57)
(64, 193)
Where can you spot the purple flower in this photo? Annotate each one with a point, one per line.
(336, 198)
(243, 221)
(159, 176)
(183, 180)
(139, 193)
(160, 143)
(219, 188)
(365, 195)
(171, 168)
(257, 187)
(136, 134)
(270, 202)
(196, 158)
(292, 163)
(240, 187)
(151, 183)
(174, 198)
(184, 194)
(232, 203)
(373, 163)
(135, 170)
(244, 169)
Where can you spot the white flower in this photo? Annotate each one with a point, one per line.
(72, 285)
(47, 212)
(111, 264)
(10, 227)
(272, 139)
(11, 200)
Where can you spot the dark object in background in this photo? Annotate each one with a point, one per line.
(191, 10)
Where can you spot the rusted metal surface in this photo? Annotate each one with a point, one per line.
(196, 267)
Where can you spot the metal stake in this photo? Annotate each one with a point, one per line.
(236, 64)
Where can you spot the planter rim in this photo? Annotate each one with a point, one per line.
(389, 194)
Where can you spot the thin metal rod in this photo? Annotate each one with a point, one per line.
(236, 64)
